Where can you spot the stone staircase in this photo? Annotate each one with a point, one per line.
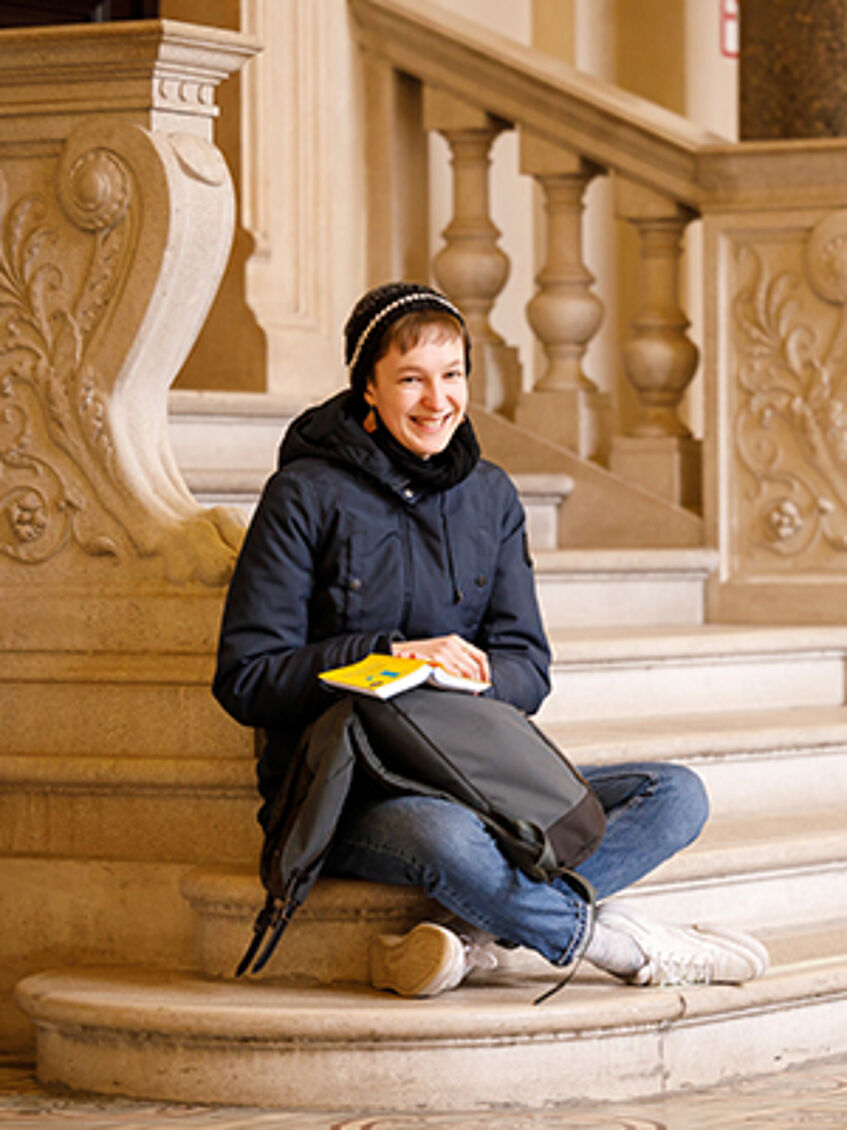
(638, 675)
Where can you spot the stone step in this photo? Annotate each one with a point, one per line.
(118, 807)
(742, 872)
(226, 445)
(779, 760)
(771, 871)
(580, 588)
(184, 1038)
(227, 429)
(543, 495)
(113, 704)
(669, 670)
(191, 809)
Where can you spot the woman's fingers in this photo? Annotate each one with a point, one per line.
(452, 652)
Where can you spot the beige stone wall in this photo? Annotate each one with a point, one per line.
(291, 130)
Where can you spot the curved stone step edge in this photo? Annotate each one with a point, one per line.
(188, 1039)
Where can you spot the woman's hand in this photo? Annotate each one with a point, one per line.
(454, 654)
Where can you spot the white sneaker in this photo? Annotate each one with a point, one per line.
(429, 960)
(692, 955)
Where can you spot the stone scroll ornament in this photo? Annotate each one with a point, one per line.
(791, 420)
(109, 260)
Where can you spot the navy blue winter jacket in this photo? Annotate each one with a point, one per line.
(344, 555)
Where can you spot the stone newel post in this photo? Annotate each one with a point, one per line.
(116, 217)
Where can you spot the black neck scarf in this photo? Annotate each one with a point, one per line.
(438, 472)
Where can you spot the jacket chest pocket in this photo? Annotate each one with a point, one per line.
(365, 590)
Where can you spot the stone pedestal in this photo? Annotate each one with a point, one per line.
(669, 466)
(116, 219)
(571, 417)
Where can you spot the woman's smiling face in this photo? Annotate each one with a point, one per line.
(421, 395)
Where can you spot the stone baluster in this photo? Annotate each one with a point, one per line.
(471, 268)
(659, 358)
(565, 406)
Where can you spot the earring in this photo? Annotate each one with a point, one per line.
(369, 422)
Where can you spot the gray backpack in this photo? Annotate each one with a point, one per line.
(475, 751)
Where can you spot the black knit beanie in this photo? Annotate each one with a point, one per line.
(375, 311)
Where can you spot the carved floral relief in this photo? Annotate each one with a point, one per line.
(791, 404)
(52, 409)
(108, 263)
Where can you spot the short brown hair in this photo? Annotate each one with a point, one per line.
(407, 331)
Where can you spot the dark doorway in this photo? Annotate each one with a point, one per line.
(36, 13)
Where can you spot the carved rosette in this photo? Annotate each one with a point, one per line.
(103, 286)
(791, 417)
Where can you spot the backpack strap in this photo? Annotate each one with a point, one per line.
(299, 827)
(272, 918)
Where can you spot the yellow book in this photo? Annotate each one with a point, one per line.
(383, 676)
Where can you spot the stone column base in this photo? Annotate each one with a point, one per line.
(573, 418)
(669, 466)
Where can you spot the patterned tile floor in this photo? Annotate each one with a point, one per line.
(814, 1097)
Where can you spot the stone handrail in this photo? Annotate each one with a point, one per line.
(593, 118)
(774, 280)
(618, 130)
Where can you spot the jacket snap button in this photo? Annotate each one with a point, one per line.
(408, 493)
(356, 584)
(481, 581)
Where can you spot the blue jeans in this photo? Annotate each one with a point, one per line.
(653, 810)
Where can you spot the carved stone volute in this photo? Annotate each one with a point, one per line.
(113, 239)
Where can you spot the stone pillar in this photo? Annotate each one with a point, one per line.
(471, 268)
(397, 175)
(793, 69)
(303, 189)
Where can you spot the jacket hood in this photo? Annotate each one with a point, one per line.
(332, 431)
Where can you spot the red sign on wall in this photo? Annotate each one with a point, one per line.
(730, 14)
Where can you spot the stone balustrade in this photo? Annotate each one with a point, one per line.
(772, 462)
